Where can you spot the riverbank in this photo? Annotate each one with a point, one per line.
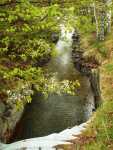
(99, 132)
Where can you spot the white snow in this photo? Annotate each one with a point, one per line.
(47, 142)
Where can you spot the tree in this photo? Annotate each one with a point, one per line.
(25, 40)
(102, 9)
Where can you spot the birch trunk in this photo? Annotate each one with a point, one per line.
(102, 26)
(109, 15)
(96, 20)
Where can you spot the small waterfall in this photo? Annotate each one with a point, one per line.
(62, 64)
(63, 47)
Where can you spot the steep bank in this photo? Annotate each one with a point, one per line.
(99, 133)
(10, 112)
(87, 66)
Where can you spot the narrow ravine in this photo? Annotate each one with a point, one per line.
(58, 112)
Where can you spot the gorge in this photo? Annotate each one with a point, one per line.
(58, 112)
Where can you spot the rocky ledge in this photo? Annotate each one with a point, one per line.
(87, 66)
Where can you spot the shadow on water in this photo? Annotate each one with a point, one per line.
(58, 112)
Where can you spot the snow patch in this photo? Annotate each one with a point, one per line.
(47, 142)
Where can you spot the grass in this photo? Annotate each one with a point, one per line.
(99, 134)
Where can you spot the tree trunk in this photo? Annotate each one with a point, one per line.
(102, 26)
(96, 20)
(109, 15)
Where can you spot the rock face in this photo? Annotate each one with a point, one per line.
(87, 66)
(8, 124)
(95, 84)
(9, 116)
(9, 112)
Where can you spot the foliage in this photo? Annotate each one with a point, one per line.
(22, 43)
(25, 39)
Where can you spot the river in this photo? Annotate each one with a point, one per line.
(58, 112)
